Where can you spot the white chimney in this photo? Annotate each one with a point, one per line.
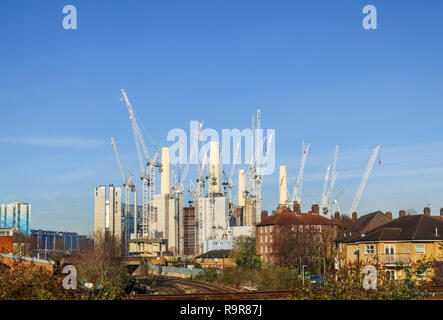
(283, 189)
(166, 172)
(214, 167)
(241, 188)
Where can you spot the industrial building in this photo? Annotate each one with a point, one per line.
(109, 217)
(43, 240)
(213, 218)
(189, 231)
(17, 216)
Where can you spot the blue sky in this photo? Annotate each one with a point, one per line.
(316, 74)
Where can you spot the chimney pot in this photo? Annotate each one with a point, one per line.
(389, 215)
(427, 211)
(315, 209)
(354, 216)
(297, 209)
(441, 212)
(402, 213)
(337, 215)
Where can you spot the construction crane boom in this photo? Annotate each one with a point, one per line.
(364, 179)
(325, 186)
(122, 172)
(337, 208)
(299, 182)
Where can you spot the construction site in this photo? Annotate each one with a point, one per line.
(215, 215)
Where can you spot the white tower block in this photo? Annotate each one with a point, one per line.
(283, 189)
(166, 173)
(214, 167)
(241, 187)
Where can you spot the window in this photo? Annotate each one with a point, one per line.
(266, 249)
(270, 228)
(421, 276)
(390, 274)
(420, 248)
(369, 249)
(389, 248)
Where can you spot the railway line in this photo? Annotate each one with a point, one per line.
(261, 295)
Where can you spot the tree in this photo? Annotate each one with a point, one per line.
(246, 254)
(309, 245)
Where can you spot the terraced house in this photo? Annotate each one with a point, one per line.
(404, 240)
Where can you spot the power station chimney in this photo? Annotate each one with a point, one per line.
(283, 189)
(427, 211)
(241, 188)
(166, 172)
(214, 167)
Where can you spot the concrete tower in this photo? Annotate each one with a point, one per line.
(241, 187)
(283, 189)
(214, 167)
(166, 173)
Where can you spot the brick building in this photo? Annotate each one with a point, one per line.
(311, 223)
(189, 231)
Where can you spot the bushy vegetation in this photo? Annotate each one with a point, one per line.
(102, 267)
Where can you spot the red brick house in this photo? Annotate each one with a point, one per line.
(311, 224)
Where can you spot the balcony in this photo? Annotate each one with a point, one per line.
(395, 258)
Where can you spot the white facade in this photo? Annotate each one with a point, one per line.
(213, 213)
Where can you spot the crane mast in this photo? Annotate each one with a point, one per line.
(147, 168)
(129, 187)
(364, 179)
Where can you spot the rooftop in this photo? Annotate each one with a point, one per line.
(287, 217)
(410, 228)
(215, 254)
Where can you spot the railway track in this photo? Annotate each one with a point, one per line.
(261, 295)
(172, 285)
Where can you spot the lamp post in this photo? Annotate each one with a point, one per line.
(303, 273)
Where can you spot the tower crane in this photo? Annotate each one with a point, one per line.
(364, 179)
(147, 168)
(129, 187)
(229, 183)
(334, 178)
(329, 195)
(299, 182)
(324, 194)
(337, 208)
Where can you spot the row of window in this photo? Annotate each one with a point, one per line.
(390, 248)
(266, 238)
(264, 249)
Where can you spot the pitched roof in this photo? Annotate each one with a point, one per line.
(222, 253)
(363, 225)
(412, 228)
(287, 217)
